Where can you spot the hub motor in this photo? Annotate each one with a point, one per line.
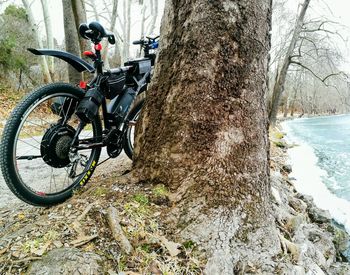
(55, 145)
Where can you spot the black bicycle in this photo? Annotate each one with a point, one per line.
(52, 140)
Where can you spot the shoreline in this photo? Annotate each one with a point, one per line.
(281, 119)
(308, 177)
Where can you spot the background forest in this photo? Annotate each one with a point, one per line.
(312, 57)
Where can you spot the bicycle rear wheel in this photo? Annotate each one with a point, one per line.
(129, 137)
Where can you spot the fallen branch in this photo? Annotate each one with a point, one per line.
(117, 231)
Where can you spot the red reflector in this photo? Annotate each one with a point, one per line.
(42, 194)
(88, 53)
(98, 47)
(82, 84)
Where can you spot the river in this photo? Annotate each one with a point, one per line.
(321, 162)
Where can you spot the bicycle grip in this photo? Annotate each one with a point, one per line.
(137, 42)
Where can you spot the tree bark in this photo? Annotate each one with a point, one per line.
(203, 131)
(34, 27)
(73, 16)
(282, 73)
(79, 12)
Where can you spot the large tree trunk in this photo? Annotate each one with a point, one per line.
(73, 14)
(79, 12)
(282, 72)
(203, 131)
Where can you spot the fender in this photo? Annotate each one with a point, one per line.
(77, 63)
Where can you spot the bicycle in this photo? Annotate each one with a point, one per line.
(56, 132)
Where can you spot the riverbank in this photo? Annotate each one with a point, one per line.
(320, 162)
(114, 228)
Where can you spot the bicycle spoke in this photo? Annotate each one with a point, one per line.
(29, 144)
(36, 156)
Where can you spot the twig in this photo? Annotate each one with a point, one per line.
(26, 260)
(83, 240)
(21, 260)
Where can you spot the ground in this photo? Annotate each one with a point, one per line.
(112, 227)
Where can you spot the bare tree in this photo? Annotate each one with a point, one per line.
(282, 72)
(113, 15)
(34, 27)
(209, 144)
(126, 29)
(154, 15)
(79, 11)
(49, 36)
(94, 8)
(71, 38)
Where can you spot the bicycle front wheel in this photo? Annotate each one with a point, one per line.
(36, 160)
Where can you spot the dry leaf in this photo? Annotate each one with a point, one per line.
(171, 246)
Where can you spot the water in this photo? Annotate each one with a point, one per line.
(321, 162)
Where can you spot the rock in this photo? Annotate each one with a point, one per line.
(289, 269)
(297, 204)
(341, 239)
(318, 215)
(316, 246)
(276, 195)
(340, 269)
(314, 269)
(307, 199)
(287, 168)
(295, 221)
(67, 261)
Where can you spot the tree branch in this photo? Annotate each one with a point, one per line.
(315, 75)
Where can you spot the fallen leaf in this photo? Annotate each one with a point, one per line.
(171, 246)
(58, 244)
(21, 216)
(42, 250)
(2, 251)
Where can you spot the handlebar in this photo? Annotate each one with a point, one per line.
(148, 44)
(95, 32)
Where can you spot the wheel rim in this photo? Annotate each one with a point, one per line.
(34, 173)
(131, 133)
